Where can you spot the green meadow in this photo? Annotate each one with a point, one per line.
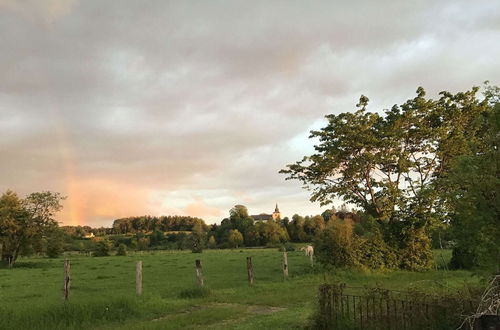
(103, 290)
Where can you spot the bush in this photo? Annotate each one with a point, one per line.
(286, 247)
(335, 246)
(55, 244)
(102, 248)
(416, 254)
(374, 253)
(197, 241)
(212, 243)
(143, 243)
(338, 246)
(122, 250)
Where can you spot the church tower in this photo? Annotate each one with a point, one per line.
(276, 213)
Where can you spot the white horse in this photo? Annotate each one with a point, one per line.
(308, 249)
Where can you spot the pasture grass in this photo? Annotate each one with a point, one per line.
(103, 290)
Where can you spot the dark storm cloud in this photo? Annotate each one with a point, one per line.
(193, 106)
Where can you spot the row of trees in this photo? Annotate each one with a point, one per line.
(149, 223)
(414, 168)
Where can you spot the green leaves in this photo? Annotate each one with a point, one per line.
(391, 164)
(25, 220)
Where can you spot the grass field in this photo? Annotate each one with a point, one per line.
(103, 291)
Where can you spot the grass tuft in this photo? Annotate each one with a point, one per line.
(195, 293)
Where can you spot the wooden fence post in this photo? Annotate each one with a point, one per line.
(311, 258)
(285, 265)
(67, 279)
(250, 270)
(138, 278)
(199, 272)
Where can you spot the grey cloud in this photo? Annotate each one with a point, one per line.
(184, 96)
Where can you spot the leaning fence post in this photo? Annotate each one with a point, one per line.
(199, 272)
(250, 270)
(285, 265)
(67, 279)
(138, 278)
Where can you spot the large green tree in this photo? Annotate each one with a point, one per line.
(394, 164)
(475, 198)
(390, 164)
(23, 221)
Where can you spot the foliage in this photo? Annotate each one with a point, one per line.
(235, 238)
(395, 166)
(270, 232)
(102, 248)
(416, 254)
(339, 246)
(55, 243)
(142, 243)
(197, 240)
(122, 250)
(390, 165)
(287, 247)
(23, 221)
(476, 200)
(212, 243)
(374, 253)
(336, 246)
(161, 224)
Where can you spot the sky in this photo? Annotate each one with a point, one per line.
(191, 107)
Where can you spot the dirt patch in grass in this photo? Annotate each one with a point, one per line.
(258, 309)
(250, 309)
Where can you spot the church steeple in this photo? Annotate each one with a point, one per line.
(276, 214)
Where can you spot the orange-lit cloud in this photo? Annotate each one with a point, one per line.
(199, 208)
(102, 199)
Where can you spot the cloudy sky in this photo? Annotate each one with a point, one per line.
(191, 107)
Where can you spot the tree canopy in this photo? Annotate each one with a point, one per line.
(24, 220)
(391, 164)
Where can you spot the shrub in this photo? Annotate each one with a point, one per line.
(335, 246)
(122, 250)
(235, 238)
(54, 249)
(286, 247)
(197, 242)
(416, 254)
(55, 244)
(102, 248)
(143, 243)
(212, 243)
(374, 253)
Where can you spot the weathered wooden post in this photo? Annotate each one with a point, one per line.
(250, 270)
(285, 265)
(138, 278)
(67, 279)
(199, 272)
(311, 258)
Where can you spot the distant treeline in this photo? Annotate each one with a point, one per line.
(139, 224)
(239, 229)
(163, 223)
